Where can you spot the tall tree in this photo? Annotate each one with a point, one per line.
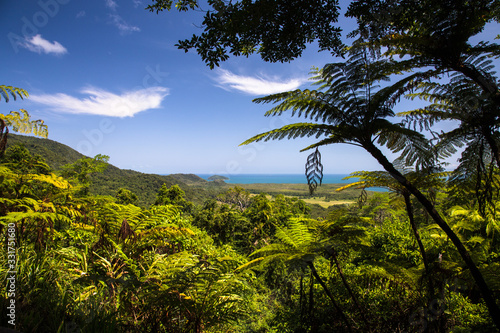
(383, 179)
(82, 170)
(349, 109)
(124, 196)
(297, 246)
(478, 124)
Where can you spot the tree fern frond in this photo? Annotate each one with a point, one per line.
(314, 105)
(391, 94)
(485, 47)
(332, 139)
(296, 235)
(5, 91)
(291, 131)
(270, 250)
(21, 122)
(414, 148)
(52, 179)
(360, 184)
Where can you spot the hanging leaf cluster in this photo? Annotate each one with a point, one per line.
(314, 171)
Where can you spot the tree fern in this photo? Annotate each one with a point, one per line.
(202, 294)
(5, 91)
(298, 247)
(365, 120)
(349, 109)
(20, 122)
(471, 220)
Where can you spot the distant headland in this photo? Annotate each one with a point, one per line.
(217, 177)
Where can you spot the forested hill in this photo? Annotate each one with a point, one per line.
(145, 186)
(56, 154)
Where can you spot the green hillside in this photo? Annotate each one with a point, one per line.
(145, 186)
(56, 154)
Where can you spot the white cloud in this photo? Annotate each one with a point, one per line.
(38, 44)
(123, 26)
(255, 85)
(104, 103)
(81, 14)
(111, 4)
(117, 20)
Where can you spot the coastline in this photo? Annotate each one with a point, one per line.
(278, 178)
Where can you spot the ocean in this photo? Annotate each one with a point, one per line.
(279, 178)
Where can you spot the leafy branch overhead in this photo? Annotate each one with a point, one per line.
(277, 30)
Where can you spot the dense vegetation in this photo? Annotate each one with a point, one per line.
(239, 262)
(422, 257)
(145, 186)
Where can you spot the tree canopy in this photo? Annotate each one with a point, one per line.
(423, 257)
(278, 31)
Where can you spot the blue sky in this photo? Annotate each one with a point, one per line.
(106, 78)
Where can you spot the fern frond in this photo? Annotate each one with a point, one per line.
(51, 179)
(252, 263)
(314, 105)
(414, 148)
(5, 91)
(360, 184)
(21, 122)
(296, 236)
(292, 131)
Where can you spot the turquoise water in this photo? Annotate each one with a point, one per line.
(279, 178)
(285, 179)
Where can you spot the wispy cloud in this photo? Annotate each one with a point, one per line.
(117, 20)
(81, 14)
(258, 85)
(111, 4)
(123, 26)
(40, 45)
(105, 103)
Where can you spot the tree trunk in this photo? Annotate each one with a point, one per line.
(301, 303)
(429, 207)
(4, 133)
(488, 135)
(310, 312)
(330, 296)
(349, 290)
(411, 217)
(487, 84)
